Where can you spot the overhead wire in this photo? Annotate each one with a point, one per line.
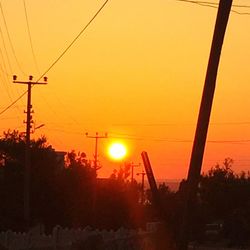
(215, 5)
(162, 139)
(6, 52)
(113, 135)
(4, 77)
(3, 81)
(166, 124)
(4, 69)
(209, 4)
(60, 56)
(13, 103)
(30, 38)
(67, 109)
(10, 41)
(74, 40)
(69, 46)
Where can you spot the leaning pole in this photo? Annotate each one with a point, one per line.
(203, 120)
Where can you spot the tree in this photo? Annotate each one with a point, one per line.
(216, 190)
(122, 174)
(225, 196)
(43, 173)
(76, 184)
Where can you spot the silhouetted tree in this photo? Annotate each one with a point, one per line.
(122, 174)
(42, 188)
(76, 182)
(224, 196)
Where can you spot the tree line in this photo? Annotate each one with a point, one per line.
(68, 195)
(73, 196)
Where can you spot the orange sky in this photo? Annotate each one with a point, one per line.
(137, 73)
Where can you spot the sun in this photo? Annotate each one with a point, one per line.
(117, 151)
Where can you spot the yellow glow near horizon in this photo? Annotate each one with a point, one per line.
(117, 151)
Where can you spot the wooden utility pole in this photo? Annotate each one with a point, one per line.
(142, 185)
(203, 120)
(165, 237)
(132, 165)
(96, 137)
(27, 170)
(150, 175)
(96, 167)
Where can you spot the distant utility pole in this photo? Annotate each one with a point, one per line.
(142, 185)
(96, 137)
(27, 147)
(203, 120)
(132, 165)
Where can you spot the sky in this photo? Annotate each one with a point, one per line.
(137, 73)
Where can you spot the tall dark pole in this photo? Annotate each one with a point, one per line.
(96, 150)
(96, 137)
(27, 170)
(132, 165)
(27, 160)
(94, 191)
(142, 185)
(203, 119)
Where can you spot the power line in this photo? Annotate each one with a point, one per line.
(70, 45)
(174, 124)
(5, 82)
(62, 54)
(5, 49)
(215, 5)
(74, 40)
(8, 34)
(6, 52)
(64, 107)
(4, 78)
(14, 102)
(29, 34)
(150, 138)
(162, 139)
(241, 13)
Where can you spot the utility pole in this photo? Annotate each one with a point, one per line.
(203, 120)
(96, 137)
(152, 181)
(132, 165)
(165, 237)
(95, 188)
(142, 185)
(27, 170)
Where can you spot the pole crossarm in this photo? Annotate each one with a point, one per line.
(96, 136)
(30, 80)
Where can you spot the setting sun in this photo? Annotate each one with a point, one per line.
(117, 151)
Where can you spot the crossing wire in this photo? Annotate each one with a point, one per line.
(10, 41)
(30, 39)
(74, 40)
(215, 5)
(60, 56)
